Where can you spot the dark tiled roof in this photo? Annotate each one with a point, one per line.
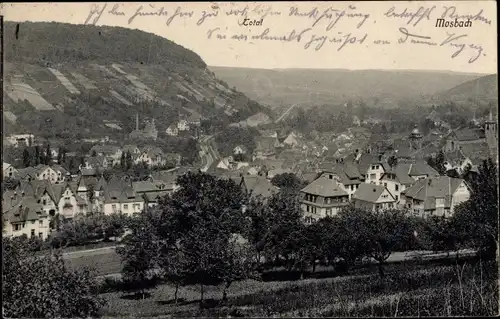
(437, 187)
(369, 192)
(324, 187)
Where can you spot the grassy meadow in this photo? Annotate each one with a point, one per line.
(426, 288)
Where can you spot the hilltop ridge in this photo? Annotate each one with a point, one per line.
(93, 80)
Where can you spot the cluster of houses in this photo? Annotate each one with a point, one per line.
(353, 167)
(371, 183)
(106, 156)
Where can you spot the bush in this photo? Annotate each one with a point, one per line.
(42, 287)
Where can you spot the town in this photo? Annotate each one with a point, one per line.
(139, 181)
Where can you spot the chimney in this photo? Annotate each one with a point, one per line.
(137, 121)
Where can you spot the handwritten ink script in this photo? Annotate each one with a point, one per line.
(336, 27)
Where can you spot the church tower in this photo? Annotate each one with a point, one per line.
(490, 130)
(415, 139)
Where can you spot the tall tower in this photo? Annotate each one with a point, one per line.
(137, 121)
(415, 139)
(490, 130)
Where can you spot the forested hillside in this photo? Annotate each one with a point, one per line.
(65, 80)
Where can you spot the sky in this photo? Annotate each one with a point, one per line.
(333, 35)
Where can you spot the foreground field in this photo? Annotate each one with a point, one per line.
(416, 289)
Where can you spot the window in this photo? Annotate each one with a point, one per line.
(396, 187)
(40, 222)
(66, 198)
(125, 206)
(330, 176)
(17, 227)
(352, 187)
(40, 235)
(385, 184)
(113, 206)
(45, 202)
(397, 197)
(32, 222)
(32, 233)
(307, 208)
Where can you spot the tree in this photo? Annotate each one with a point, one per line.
(37, 156)
(392, 161)
(94, 153)
(129, 163)
(476, 220)
(438, 163)
(10, 183)
(43, 287)
(378, 234)
(285, 220)
(123, 163)
(26, 158)
(72, 166)
(441, 233)
(288, 181)
(138, 255)
(48, 155)
(199, 220)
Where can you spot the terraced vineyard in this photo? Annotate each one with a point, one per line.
(81, 92)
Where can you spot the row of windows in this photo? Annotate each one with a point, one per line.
(375, 166)
(18, 227)
(125, 206)
(311, 209)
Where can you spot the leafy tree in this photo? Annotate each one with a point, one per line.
(114, 225)
(26, 158)
(476, 220)
(10, 183)
(239, 157)
(43, 287)
(123, 161)
(199, 219)
(438, 163)
(285, 220)
(392, 161)
(138, 255)
(258, 216)
(48, 155)
(129, 162)
(378, 234)
(442, 234)
(37, 156)
(288, 181)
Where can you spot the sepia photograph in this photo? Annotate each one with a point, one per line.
(250, 159)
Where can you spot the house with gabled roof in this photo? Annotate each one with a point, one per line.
(152, 156)
(121, 198)
(106, 150)
(25, 217)
(373, 198)
(436, 196)
(464, 136)
(152, 191)
(346, 175)
(265, 147)
(94, 162)
(8, 170)
(321, 198)
(132, 149)
(39, 172)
